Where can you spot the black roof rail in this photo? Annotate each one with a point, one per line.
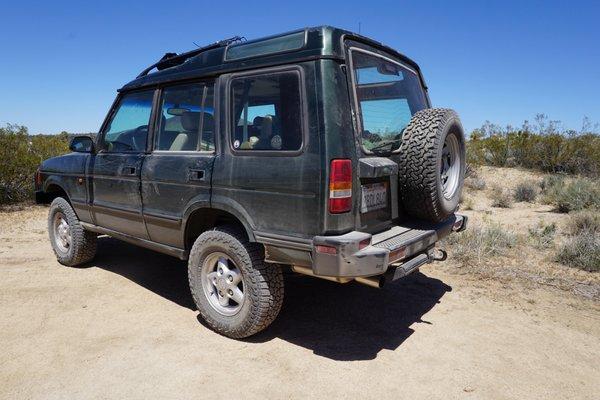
(172, 59)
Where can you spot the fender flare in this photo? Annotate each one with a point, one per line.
(223, 204)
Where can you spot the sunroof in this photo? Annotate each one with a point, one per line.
(279, 44)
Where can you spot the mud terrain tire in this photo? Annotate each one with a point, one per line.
(433, 143)
(262, 283)
(82, 245)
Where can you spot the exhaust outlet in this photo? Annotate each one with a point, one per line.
(372, 281)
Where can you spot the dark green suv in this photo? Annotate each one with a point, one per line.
(315, 150)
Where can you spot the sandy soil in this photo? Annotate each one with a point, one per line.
(125, 327)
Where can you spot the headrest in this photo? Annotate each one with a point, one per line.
(190, 121)
(257, 121)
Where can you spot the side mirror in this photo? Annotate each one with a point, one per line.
(82, 144)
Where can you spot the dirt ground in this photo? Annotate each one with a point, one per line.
(125, 327)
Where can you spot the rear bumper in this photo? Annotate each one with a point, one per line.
(344, 256)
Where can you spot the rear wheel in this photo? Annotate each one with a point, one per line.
(432, 164)
(236, 292)
(71, 243)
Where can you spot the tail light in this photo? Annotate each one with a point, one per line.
(340, 186)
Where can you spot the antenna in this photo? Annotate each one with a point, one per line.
(359, 26)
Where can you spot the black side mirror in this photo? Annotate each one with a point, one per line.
(82, 144)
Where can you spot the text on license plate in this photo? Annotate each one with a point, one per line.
(374, 196)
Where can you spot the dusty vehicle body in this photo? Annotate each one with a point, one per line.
(251, 156)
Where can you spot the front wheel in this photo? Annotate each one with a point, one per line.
(72, 244)
(236, 292)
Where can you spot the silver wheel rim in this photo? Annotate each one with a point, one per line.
(223, 284)
(450, 166)
(62, 232)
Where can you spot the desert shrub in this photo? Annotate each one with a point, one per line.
(578, 194)
(467, 203)
(501, 197)
(584, 222)
(581, 251)
(546, 147)
(542, 236)
(526, 191)
(480, 242)
(20, 155)
(475, 183)
(549, 182)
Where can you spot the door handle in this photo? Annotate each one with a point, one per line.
(196, 174)
(129, 170)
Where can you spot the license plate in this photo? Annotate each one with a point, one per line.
(374, 197)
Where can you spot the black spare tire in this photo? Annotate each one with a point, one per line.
(431, 164)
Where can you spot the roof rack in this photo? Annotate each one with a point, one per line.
(172, 59)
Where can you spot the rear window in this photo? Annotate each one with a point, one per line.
(388, 94)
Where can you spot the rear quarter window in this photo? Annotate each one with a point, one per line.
(266, 112)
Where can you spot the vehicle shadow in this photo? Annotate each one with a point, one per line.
(159, 273)
(340, 322)
(352, 321)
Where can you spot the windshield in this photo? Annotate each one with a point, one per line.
(388, 95)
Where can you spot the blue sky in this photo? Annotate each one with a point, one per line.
(503, 61)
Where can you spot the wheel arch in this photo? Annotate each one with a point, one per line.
(203, 217)
(53, 189)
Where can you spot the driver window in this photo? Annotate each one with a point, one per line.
(127, 131)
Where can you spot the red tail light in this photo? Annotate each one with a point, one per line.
(340, 186)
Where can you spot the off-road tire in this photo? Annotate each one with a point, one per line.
(263, 283)
(83, 243)
(419, 161)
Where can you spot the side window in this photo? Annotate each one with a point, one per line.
(266, 112)
(127, 130)
(186, 119)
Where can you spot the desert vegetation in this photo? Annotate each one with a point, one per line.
(543, 145)
(20, 155)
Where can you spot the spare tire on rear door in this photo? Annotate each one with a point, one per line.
(432, 164)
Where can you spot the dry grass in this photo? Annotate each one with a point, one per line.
(501, 197)
(581, 251)
(584, 222)
(479, 243)
(475, 183)
(536, 232)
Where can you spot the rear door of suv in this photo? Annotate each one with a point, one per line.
(386, 92)
(177, 173)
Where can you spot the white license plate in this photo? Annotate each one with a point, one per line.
(374, 197)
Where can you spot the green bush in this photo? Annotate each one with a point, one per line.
(576, 195)
(581, 251)
(526, 191)
(545, 148)
(20, 155)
